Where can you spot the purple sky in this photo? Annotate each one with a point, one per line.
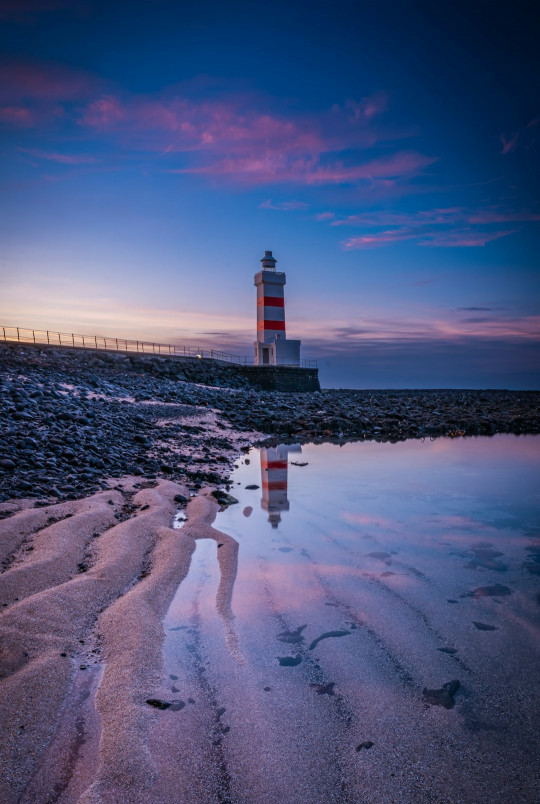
(389, 155)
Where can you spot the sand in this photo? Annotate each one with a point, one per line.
(55, 625)
(118, 608)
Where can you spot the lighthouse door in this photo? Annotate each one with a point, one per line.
(265, 356)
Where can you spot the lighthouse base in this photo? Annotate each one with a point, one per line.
(278, 352)
(283, 378)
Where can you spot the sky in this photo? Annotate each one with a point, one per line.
(387, 153)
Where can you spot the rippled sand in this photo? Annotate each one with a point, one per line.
(377, 644)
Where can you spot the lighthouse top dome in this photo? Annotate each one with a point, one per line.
(268, 262)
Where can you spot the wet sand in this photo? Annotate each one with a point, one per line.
(157, 673)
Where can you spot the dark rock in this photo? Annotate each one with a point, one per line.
(484, 626)
(367, 745)
(497, 590)
(223, 498)
(289, 661)
(157, 704)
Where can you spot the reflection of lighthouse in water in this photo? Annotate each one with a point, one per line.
(274, 465)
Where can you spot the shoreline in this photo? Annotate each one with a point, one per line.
(90, 559)
(69, 420)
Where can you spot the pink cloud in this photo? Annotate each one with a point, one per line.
(385, 218)
(377, 239)
(445, 227)
(102, 113)
(235, 136)
(492, 216)
(30, 81)
(427, 237)
(465, 238)
(509, 144)
(16, 116)
(397, 165)
(279, 167)
(367, 108)
(325, 216)
(64, 159)
(284, 206)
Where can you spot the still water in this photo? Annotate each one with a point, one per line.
(369, 632)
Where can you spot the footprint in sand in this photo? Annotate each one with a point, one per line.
(444, 696)
(325, 689)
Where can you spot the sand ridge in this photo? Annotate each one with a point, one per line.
(43, 634)
(133, 664)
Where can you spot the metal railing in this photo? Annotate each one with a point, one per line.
(70, 339)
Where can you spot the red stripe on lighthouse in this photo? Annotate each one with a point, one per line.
(275, 465)
(277, 325)
(275, 485)
(271, 301)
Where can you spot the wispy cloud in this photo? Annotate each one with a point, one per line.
(524, 138)
(466, 238)
(284, 206)
(61, 158)
(283, 168)
(445, 228)
(19, 116)
(475, 309)
(39, 83)
(509, 142)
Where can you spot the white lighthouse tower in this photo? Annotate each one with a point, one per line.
(272, 348)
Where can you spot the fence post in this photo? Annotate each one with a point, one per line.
(73, 338)
(4, 332)
(60, 339)
(18, 335)
(117, 344)
(95, 339)
(83, 340)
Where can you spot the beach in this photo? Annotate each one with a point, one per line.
(98, 459)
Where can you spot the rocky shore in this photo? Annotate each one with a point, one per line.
(72, 419)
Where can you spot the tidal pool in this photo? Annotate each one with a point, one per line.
(370, 632)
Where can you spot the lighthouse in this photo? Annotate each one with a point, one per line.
(272, 347)
(274, 477)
